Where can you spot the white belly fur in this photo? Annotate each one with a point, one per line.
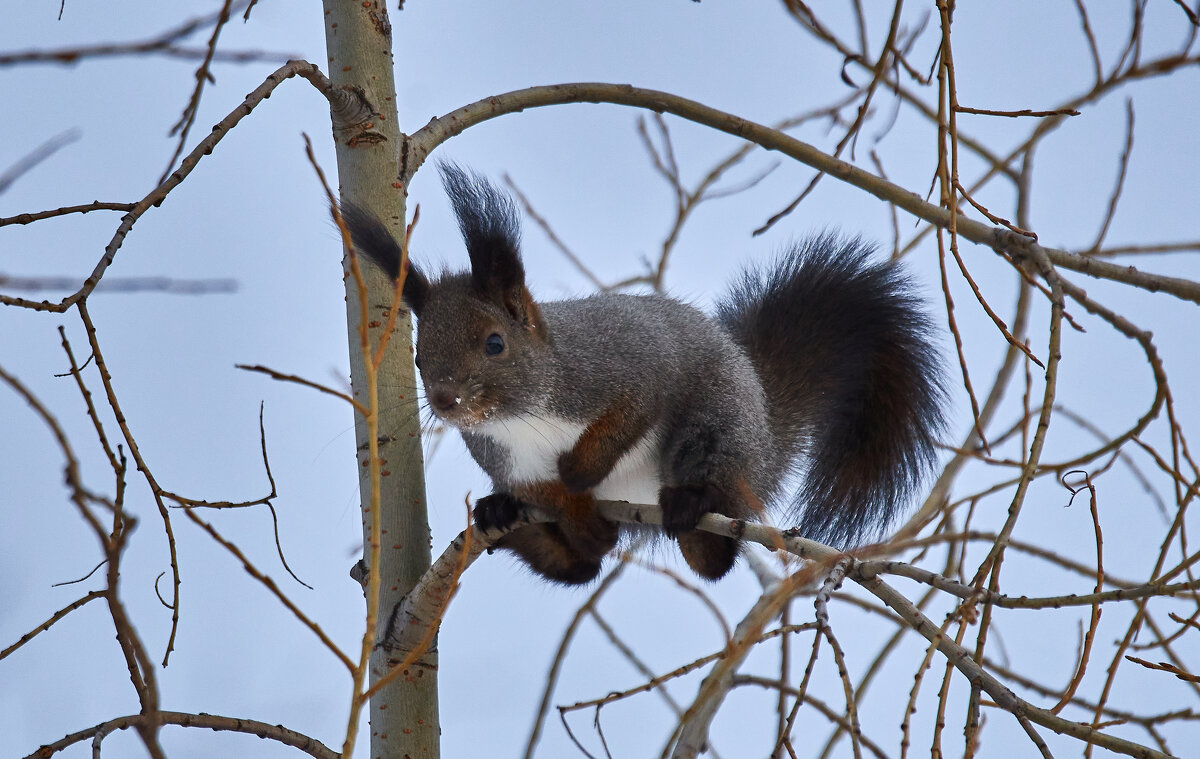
(534, 444)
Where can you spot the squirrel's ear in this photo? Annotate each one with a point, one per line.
(491, 229)
(416, 289)
(522, 308)
(498, 275)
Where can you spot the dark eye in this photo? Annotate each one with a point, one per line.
(494, 345)
(417, 361)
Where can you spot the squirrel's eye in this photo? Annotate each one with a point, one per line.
(417, 361)
(494, 345)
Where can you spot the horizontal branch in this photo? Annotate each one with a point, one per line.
(124, 285)
(96, 205)
(423, 607)
(164, 41)
(306, 383)
(1012, 114)
(869, 569)
(408, 621)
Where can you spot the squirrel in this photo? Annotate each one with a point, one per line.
(820, 366)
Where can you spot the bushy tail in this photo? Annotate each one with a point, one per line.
(854, 386)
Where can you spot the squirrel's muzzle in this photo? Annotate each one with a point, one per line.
(444, 397)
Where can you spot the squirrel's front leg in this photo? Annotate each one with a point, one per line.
(570, 550)
(601, 445)
(496, 511)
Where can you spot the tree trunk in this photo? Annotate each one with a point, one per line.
(404, 715)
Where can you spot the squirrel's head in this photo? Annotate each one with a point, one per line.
(479, 333)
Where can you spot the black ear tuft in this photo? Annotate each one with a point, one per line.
(490, 227)
(373, 239)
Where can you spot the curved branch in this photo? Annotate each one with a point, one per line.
(279, 733)
(438, 130)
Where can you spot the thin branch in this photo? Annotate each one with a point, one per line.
(438, 130)
(278, 733)
(270, 585)
(37, 155)
(53, 618)
(96, 205)
(359, 407)
(564, 644)
(114, 285)
(555, 240)
(341, 102)
(163, 42)
(1014, 114)
(1122, 171)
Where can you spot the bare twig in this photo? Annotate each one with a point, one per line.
(310, 746)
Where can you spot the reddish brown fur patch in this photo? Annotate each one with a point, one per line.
(554, 496)
(520, 305)
(569, 550)
(548, 552)
(532, 315)
(747, 497)
(601, 446)
(710, 556)
(582, 526)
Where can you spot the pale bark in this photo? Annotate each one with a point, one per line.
(404, 714)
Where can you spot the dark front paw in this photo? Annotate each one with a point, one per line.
(683, 506)
(496, 511)
(577, 475)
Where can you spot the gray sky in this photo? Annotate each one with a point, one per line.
(254, 212)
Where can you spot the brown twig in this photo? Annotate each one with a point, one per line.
(555, 240)
(1166, 667)
(1094, 622)
(359, 407)
(1122, 171)
(202, 75)
(92, 596)
(96, 205)
(560, 654)
(1014, 114)
(279, 733)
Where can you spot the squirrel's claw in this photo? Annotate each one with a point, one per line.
(496, 511)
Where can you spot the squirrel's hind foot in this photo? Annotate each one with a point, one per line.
(710, 556)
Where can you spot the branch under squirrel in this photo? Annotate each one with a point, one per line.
(426, 603)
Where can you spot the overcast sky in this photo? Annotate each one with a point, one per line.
(253, 212)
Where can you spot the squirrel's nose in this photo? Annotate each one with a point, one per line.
(443, 398)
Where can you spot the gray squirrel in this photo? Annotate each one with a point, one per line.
(820, 366)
